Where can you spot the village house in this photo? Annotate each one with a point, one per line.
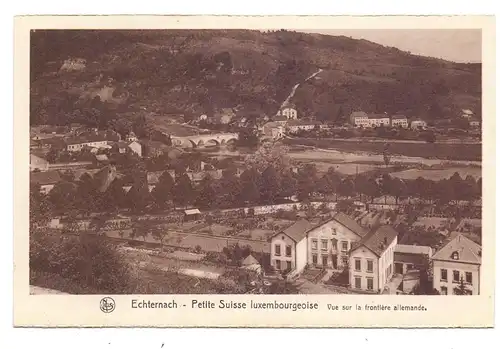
(359, 119)
(294, 126)
(289, 247)
(46, 180)
(378, 120)
(273, 130)
(458, 261)
(371, 260)
(93, 141)
(131, 137)
(288, 112)
(399, 121)
(467, 114)
(330, 242)
(418, 124)
(38, 163)
(411, 257)
(474, 123)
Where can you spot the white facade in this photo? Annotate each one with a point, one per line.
(288, 112)
(136, 147)
(286, 254)
(400, 122)
(447, 276)
(79, 146)
(418, 124)
(329, 245)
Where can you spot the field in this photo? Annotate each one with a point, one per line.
(438, 174)
(459, 152)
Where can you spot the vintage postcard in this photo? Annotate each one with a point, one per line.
(225, 171)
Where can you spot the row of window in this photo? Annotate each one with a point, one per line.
(456, 276)
(283, 265)
(324, 245)
(369, 265)
(369, 282)
(288, 250)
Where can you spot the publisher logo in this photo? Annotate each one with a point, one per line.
(107, 305)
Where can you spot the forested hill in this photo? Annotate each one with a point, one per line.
(194, 72)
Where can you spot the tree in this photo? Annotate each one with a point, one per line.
(160, 234)
(250, 192)
(183, 192)
(139, 197)
(269, 185)
(63, 196)
(206, 193)
(398, 189)
(162, 192)
(248, 138)
(289, 185)
(269, 154)
(461, 289)
(39, 208)
(228, 189)
(371, 189)
(346, 188)
(306, 181)
(114, 197)
(330, 182)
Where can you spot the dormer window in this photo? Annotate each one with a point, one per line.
(454, 255)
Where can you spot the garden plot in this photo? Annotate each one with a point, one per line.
(438, 174)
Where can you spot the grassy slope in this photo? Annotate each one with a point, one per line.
(357, 74)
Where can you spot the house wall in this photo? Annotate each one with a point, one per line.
(336, 235)
(38, 163)
(46, 188)
(386, 264)
(136, 148)
(283, 241)
(290, 113)
(301, 253)
(363, 254)
(462, 268)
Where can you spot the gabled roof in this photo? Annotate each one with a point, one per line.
(101, 157)
(399, 117)
(468, 251)
(413, 249)
(358, 114)
(467, 111)
(45, 178)
(378, 240)
(378, 116)
(298, 230)
(250, 260)
(350, 224)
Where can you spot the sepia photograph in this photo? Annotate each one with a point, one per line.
(172, 165)
(255, 161)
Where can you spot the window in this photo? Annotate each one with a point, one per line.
(357, 282)
(345, 245)
(409, 266)
(314, 244)
(334, 231)
(468, 277)
(456, 276)
(278, 264)
(288, 265)
(369, 266)
(454, 255)
(277, 250)
(369, 283)
(345, 260)
(444, 275)
(315, 259)
(357, 264)
(324, 244)
(288, 251)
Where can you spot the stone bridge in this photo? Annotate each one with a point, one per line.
(199, 141)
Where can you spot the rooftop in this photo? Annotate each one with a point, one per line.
(413, 249)
(302, 122)
(250, 260)
(349, 223)
(399, 117)
(298, 230)
(45, 178)
(378, 116)
(378, 240)
(460, 249)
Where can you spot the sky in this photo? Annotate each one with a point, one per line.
(457, 45)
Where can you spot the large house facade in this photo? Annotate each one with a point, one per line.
(371, 260)
(458, 261)
(330, 242)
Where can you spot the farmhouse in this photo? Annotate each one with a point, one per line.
(467, 113)
(371, 260)
(377, 120)
(294, 126)
(273, 130)
(474, 123)
(93, 141)
(38, 163)
(418, 124)
(289, 247)
(399, 121)
(288, 112)
(458, 261)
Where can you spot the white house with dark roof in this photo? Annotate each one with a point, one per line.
(459, 260)
(289, 247)
(329, 243)
(38, 163)
(371, 260)
(399, 120)
(467, 113)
